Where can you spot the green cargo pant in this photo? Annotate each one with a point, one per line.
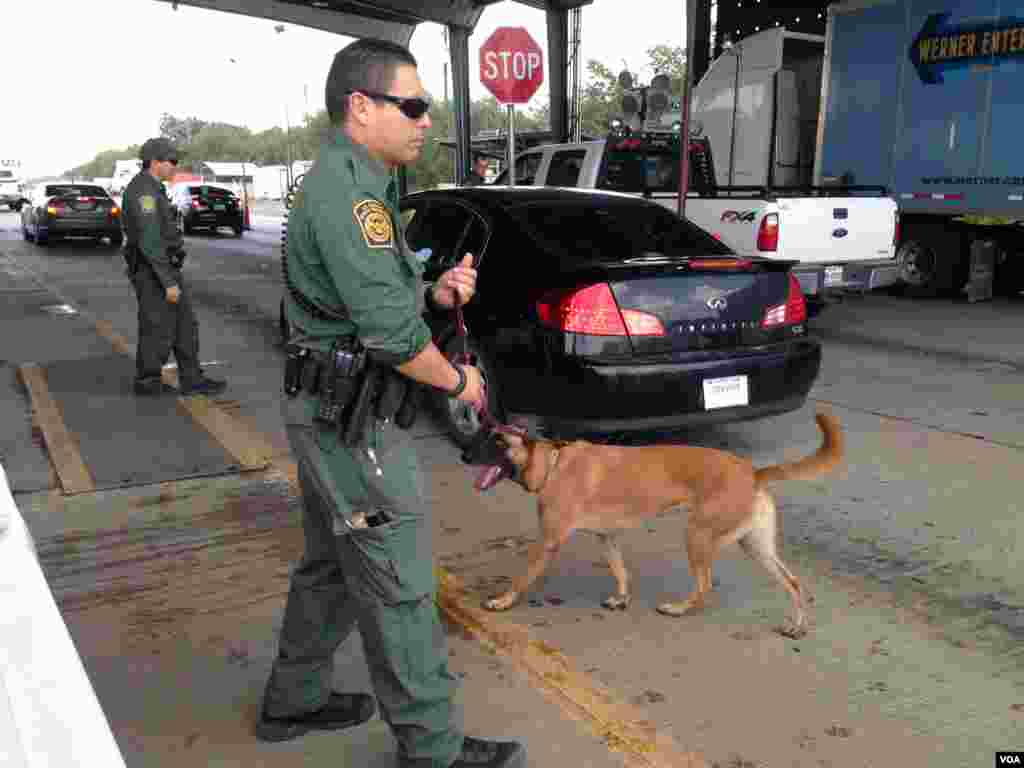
(163, 327)
(380, 578)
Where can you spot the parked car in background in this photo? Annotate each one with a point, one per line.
(11, 186)
(602, 314)
(69, 209)
(206, 206)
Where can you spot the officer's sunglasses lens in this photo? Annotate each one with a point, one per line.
(414, 109)
(172, 162)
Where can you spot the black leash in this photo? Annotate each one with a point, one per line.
(487, 421)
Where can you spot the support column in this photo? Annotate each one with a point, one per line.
(458, 40)
(557, 71)
(699, 54)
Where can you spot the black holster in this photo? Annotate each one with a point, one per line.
(354, 425)
(340, 377)
(132, 258)
(399, 400)
(176, 257)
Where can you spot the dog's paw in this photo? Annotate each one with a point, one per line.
(617, 602)
(791, 630)
(501, 602)
(679, 609)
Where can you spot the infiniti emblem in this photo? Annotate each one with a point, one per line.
(717, 303)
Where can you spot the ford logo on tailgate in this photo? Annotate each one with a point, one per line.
(839, 232)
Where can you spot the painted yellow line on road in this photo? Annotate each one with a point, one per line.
(250, 450)
(60, 443)
(621, 726)
(245, 445)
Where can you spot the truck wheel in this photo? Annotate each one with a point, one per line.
(926, 269)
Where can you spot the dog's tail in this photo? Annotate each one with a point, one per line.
(825, 460)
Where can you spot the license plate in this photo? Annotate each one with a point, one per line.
(834, 275)
(726, 392)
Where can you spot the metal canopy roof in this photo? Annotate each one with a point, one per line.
(392, 20)
(395, 20)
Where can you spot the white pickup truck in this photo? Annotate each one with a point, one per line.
(11, 189)
(758, 199)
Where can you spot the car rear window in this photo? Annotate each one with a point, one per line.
(612, 231)
(210, 192)
(82, 190)
(630, 171)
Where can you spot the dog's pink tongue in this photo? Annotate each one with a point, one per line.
(489, 477)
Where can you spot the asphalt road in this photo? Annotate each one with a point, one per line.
(913, 549)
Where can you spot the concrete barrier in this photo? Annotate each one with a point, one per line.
(49, 713)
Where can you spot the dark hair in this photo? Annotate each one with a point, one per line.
(366, 64)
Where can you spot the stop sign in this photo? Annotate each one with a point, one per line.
(511, 65)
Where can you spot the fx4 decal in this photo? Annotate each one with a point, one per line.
(730, 217)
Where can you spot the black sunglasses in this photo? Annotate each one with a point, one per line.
(414, 108)
(170, 160)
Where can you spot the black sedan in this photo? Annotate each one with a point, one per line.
(599, 314)
(206, 206)
(70, 209)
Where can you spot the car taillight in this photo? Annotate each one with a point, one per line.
(592, 310)
(195, 202)
(115, 211)
(768, 233)
(55, 207)
(792, 312)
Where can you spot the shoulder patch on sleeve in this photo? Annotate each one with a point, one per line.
(375, 223)
(147, 203)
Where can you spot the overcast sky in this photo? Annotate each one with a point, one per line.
(100, 75)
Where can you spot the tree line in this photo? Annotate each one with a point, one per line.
(199, 141)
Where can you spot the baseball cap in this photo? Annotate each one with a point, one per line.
(158, 149)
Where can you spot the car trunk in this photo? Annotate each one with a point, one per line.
(81, 208)
(635, 280)
(214, 200)
(702, 308)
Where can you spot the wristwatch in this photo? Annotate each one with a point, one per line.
(428, 298)
(461, 386)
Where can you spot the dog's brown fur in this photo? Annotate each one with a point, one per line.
(601, 488)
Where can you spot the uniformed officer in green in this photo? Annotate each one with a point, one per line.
(369, 555)
(155, 257)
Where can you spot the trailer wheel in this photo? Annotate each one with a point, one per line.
(927, 269)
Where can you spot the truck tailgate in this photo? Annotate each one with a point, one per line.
(836, 230)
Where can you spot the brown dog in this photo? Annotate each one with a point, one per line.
(601, 488)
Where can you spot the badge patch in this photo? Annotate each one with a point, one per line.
(375, 222)
(147, 203)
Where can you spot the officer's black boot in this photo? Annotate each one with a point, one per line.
(481, 753)
(153, 386)
(204, 386)
(343, 710)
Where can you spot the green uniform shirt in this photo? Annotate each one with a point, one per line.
(346, 252)
(149, 223)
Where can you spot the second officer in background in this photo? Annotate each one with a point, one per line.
(155, 257)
